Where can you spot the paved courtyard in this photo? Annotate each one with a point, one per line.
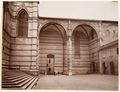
(77, 82)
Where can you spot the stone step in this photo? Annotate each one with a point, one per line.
(33, 83)
(25, 82)
(10, 86)
(18, 80)
(8, 83)
(28, 84)
(14, 74)
(15, 77)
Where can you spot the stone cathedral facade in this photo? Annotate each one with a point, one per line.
(43, 45)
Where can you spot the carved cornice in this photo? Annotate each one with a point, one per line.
(109, 45)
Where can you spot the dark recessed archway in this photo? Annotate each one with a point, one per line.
(86, 29)
(50, 56)
(85, 48)
(22, 23)
(112, 68)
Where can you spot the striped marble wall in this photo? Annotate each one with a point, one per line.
(94, 55)
(23, 52)
(51, 42)
(6, 49)
(6, 38)
(81, 64)
(23, 49)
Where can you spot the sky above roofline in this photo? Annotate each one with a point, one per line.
(96, 10)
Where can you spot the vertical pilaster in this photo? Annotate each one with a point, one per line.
(69, 55)
(100, 56)
(69, 48)
(32, 34)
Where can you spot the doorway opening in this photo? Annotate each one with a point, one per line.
(104, 67)
(112, 68)
(50, 64)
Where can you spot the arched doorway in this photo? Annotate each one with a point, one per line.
(104, 67)
(85, 49)
(51, 40)
(50, 64)
(112, 68)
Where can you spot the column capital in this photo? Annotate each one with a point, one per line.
(69, 37)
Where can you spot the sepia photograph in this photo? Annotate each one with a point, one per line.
(60, 45)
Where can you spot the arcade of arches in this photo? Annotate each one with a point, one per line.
(83, 47)
(57, 46)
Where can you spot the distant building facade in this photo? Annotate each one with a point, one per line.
(55, 45)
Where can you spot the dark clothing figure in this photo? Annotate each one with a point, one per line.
(112, 68)
(104, 68)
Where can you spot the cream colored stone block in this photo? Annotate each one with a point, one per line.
(33, 14)
(29, 33)
(29, 9)
(21, 40)
(34, 52)
(30, 13)
(34, 46)
(35, 24)
(23, 53)
(24, 40)
(51, 51)
(51, 47)
(26, 4)
(18, 3)
(20, 53)
(35, 4)
(14, 13)
(34, 33)
(33, 58)
(23, 63)
(34, 41)
(30, 26)
(21, 59)
(35, 9)
(21, 47)
(15, 8)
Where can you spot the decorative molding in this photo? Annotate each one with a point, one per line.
(109, 45)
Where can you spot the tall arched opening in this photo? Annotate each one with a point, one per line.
(85, 50)
(22, 23)
(52, 38)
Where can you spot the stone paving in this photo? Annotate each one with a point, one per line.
(77, 82)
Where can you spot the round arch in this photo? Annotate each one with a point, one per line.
(85, 48)
(45, 23)
(52, 37)
(92, 28)
(62, 32)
